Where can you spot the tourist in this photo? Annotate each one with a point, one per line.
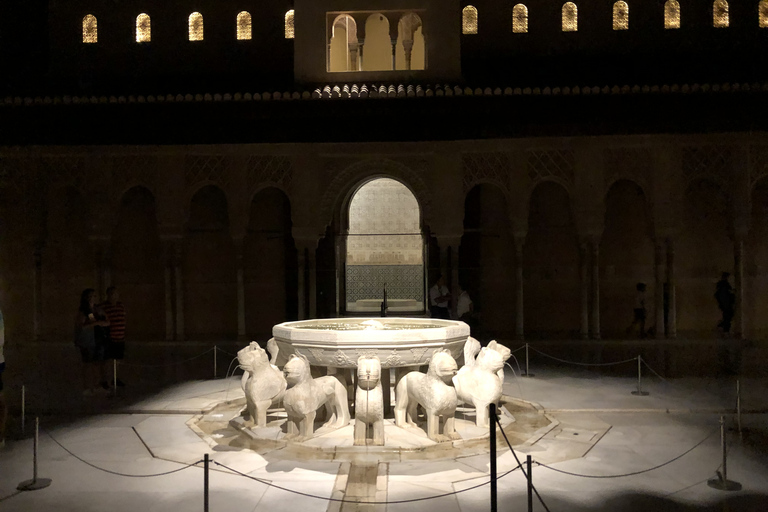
(726, 301)
(639, 310)
(3, 405)
(439, 299)
(92, 353)
(465, 311)
(114, 311)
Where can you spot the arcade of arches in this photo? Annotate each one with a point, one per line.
(550, 240)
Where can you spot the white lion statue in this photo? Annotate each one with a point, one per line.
(306, 395)
(369, 402)
(434, 392)
(264, 385)
(480, 380)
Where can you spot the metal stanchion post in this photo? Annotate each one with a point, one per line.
(35, 483)
(527, 370)
(215, 362)
(721, 482)
(23, 409)
(205, 483)
(492, 414)
(639, 391)
(529, 464)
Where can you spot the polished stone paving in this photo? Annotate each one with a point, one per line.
(644, 432)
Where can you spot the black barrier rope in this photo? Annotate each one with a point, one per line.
(582, 364)
(520, 464)
(115, 472)
(167, 364)
(337, 500)
(225, 352)
(634, 472)
(517, 349)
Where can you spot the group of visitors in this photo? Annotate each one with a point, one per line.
(725, 297)
(440, 302)
(100, 336)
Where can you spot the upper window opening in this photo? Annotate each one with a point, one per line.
(672, 14)
(763, 14)
(570, 17)
(289, 29)
(90, 29)
(196, 27)
(244, 30)
(520, 19)
(469, 20)
(621, 15)
(143, 28)
(720, 18)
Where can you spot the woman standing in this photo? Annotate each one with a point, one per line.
(91, 352)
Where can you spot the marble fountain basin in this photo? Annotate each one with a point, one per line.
(398, 342)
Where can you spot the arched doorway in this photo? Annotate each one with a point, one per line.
(384, 247)
(756, 268)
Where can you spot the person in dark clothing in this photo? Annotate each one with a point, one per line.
(726, 301)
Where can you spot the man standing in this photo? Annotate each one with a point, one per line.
(115, 312)
(726, 301)
(439, 299)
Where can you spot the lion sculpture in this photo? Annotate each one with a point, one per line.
(264, 384)
(480, 380)
(369, 402)
(306, 395)
(435, 393)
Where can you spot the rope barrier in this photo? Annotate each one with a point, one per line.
(520, 464)
(634, 359)
(337, 500)
(225, 352)
(634, 472)
(517, 349)
(167, 364)
(116, 472)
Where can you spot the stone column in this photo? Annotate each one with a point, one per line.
(394, 53)
(168, 253)
(455, 275)
(407, 47)
(658, 300)
(519, 288)
(738, 278)
(584, 277)
(240, 289)
(102, 256)
(179, 279)
(443, 258)
(312, 265)
(302, 260)
(595, 287)
(37, 291)
(672, 314)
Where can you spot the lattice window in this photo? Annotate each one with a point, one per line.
(469, 20)
(713, 162)
(196, 27)
(289, 28)
(672, 14)
(143, 28)
(90, 29)
(763, 14)
(269, 169)
(520, 19)
(244, 30)
(206, 168)
(621, 15)
(720, 17)
(570, 17)
(543, 164)
(486, 168)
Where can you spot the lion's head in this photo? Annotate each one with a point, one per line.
(443, 366)
(368, 372)
(252, 357)
(296, 370)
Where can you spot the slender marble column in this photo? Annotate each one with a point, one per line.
(595, 288)
(584, 276)
(312, 263)
(168, 274)
(658, 300)
(240, 290)
(37, 292)
(672, 314)
(301, 284)
(179, 278)
(444, 259)
(519, 288)
(455, 276)
(738, 267)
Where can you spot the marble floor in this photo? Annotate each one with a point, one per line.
(152, 435)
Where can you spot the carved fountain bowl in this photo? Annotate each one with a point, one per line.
(398, 342)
